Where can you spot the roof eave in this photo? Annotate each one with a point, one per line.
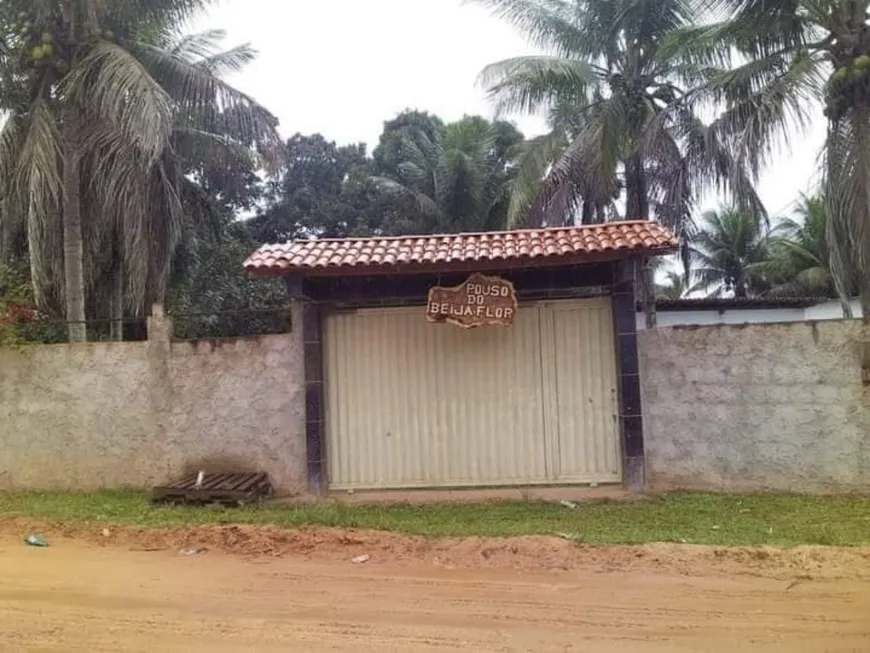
(381, 269)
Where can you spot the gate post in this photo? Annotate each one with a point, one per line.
(630, 413)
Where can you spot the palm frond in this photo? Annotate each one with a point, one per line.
(36, 194)
(420, 202)
(546, 24)
(461, 188)
(586, 171)
(762, 115)
(533, 164)
(203, 98)
(228, 61)
(198, 45)
(166, 226)
(847, 194)
(759, 28)
(724, 249)
(11, 216)
(652, 20)
(198, 147)
(526, 84)
(106, 79)
(693, 158)
(131, 14)
(205, 49)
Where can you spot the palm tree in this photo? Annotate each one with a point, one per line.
(799, 262)
(92, 156)
(614, 66)
(724, 252)
(795, 56)
(582, 202)
(456, 178)
(205, 136)
(674, 286)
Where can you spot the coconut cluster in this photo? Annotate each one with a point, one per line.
(45, 44)
(848, 86)
(38, 43)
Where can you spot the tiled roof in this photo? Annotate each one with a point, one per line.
(456, 251)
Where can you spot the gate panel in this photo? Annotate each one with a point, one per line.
(413, 404)
(586, 392)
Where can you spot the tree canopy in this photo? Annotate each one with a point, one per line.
(96, 157)
(131, 172)
(768, 64)
(612, 81)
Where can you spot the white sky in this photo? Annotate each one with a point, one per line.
(343, 67)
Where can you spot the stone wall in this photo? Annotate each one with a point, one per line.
(115, 415)
(757, 407)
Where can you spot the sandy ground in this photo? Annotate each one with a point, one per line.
(256, 589)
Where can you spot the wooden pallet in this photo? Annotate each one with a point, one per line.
(239, 489)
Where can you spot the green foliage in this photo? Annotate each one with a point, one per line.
(20, 322)
(323, 190)
(113, 127)
(14, 296)
(398, 134)
(217, 300)
(447, 178)
(799, 262)
(618, 89)
(725, 250)
(424, 176)
(209, 295)
(674, 286)
(737, 253)
(793, 56)
(164, 178)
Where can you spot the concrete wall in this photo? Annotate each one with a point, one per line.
(112, 415)
(755, 407)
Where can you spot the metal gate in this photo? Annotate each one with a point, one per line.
(411, 404)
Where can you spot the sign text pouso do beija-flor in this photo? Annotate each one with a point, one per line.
(478, 301)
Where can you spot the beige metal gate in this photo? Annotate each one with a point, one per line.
(412, 404)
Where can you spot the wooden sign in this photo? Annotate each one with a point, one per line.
(480, 300)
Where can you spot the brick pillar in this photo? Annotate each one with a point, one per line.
(630, 412)
(159, 326)
(312, 340)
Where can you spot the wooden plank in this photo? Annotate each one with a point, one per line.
(252, 482)
(220, 488)
(187, 481)
(213, 481)
(236, 483)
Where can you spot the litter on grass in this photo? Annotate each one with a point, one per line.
(35, 539)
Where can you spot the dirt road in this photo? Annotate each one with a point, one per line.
(76, 597)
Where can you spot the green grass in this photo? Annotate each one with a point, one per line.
(777, 520)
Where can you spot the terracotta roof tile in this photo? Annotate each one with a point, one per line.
(568, 244)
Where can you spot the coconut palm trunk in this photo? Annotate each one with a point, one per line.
(848, 204)
(636, 188)
(637, 208)
(73, 245)
(117, 301)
